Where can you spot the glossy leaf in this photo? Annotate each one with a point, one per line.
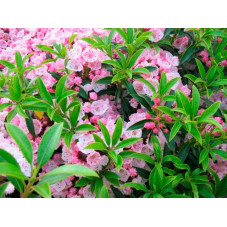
(105, 133)
(117, 131)
(22, 141)
(66, 171)
(11, 170)
(43, 190)
(48, 144)
(127, 142)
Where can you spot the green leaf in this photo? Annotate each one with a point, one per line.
(7, 64)
(98, 139)
(196, 134)
(157, 148)
(195, 190)
(30, 124)
(66, 171)
(117, 131)
(118, 77)
(127, 142)
(202, 71)
(98, 187)
(195, 101)
(140, 41)
(83, 182)
(110, 174)
(68, 139)
(137, 186)
(222, 188)
(134, 94)
(176, 127)
(177, 196)
(191, 77)
(71, 38)
(7, 157)
(105, 132)
(55, 75)
(74, 115)
(134, 58)
(122, 34)
(96, 146)
(19, 61)
(22, 141)
(20, 111)
(156, 178)
(48, 144)
(205, 191)
(141, 156)
(188, 54)
(203, 155)
(170, 84)
(86, 127)
(150, 68)
(3, 188)
(43, 190)
(47, 48)
(185, 102)
(83, 93)
(104, 192)
(113, 63)
(139, 124)
(11, 115)
(211, 110)
(172, 158)
(119, 162)
(184, 151)
(105, 80)
(45, 95)
(11, 170)
(168, 111)
(122, 58)
(146, 82)
(60, 87)
(5, 105)
(110, 37)
(220, 152)
(210, 74)
(141, 70)
(88, 40)
(220, 82)
(211, 121)
(18, 184)
(162, 84)
(117, 159)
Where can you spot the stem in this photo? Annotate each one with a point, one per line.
(28, 188)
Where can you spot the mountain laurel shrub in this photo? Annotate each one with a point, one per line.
(124, 113)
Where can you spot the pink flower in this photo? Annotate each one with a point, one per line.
(149, 125)
(77, 80)
(74, 65)
(89, 54)
(93, 96)
(155, 130)
(157, 101)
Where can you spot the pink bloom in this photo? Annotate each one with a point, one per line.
(77, 80)
(93, 96)
(155, 130)
(149, 125)
(89, 54)
(157, 101)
